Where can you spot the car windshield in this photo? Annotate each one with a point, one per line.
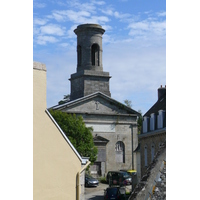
(125, 174)
(112, 191)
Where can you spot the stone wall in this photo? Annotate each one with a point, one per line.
(157, 138)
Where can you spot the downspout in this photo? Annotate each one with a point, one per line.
(78, 180)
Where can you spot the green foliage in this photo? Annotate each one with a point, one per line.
(102, 180)
(79, 135)
(128, 103)
(66, 98)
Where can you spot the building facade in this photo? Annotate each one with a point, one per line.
(58, 169)
(114, 124)
(153, 130)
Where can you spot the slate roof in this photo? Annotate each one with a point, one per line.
(158, 192)
(159, 105)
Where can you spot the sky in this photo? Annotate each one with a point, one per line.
(134, 45)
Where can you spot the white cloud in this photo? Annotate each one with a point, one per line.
(99, 2)
(121, 15)
(70, 15)
(38, 21)
(147, 29)
(108, 11)
(52, 29)
(70, 31)
(107, 27)
(58, 17)
(89, 6)
(161, 14)
(64, 44)
(39, 5)
(42, 40)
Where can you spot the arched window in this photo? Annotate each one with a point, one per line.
(95, 54)
(120, 152)
(152, 151)
(145, 156)
(79, 55)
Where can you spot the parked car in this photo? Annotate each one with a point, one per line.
(90, 181)
(112, 193)
(130, 171)
(118, 178)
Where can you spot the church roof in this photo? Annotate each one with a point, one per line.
(91, 96)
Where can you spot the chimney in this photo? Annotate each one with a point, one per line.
(161, 91)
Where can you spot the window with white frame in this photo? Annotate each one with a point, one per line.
(160, 119)
(152, 122)
(145, 124)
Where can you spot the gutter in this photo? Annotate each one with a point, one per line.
(78, 180)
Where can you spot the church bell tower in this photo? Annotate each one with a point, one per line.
(89, 76)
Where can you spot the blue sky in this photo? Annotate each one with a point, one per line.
(134, 45)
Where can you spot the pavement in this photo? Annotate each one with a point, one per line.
(95, 193)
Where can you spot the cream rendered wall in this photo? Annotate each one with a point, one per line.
(55, 164)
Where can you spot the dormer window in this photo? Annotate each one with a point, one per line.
(161, 119)
(145, 124)
(152, 122)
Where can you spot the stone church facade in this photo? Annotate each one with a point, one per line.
(114, 124)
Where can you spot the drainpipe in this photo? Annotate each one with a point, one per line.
(78, 180)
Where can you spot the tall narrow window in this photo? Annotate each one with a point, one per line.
(95, 54)
(152, 151)
(79, 55)
(120, 152)
(145, 156)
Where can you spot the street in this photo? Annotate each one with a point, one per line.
(95, 193)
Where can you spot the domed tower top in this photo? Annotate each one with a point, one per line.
(89, 47)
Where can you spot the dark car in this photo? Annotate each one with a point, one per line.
(90, 181)
(112, 193)
(118, 178)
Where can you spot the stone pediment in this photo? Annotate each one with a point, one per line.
(96, 103)
(100, 140)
